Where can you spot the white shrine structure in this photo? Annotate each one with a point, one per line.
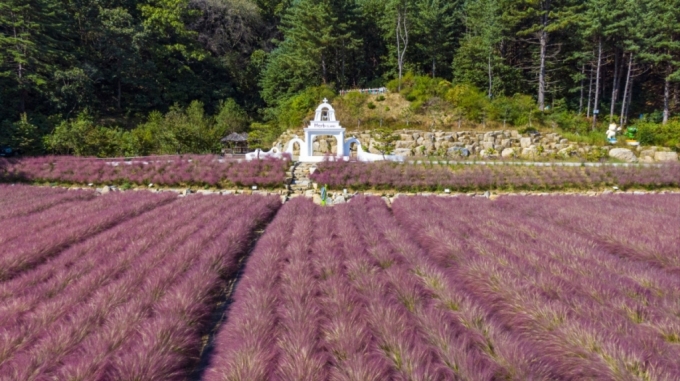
(324, 123)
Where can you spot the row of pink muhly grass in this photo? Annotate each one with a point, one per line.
(31, 234)
(206, 170)
(462, 178)
(129, 303)
(18, 200)
(567, 288)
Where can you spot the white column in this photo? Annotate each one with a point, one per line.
(340, 137)
(308, 150)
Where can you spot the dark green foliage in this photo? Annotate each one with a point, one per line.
(180, 131)
(437, 24)
(118, 72)
(319, 41)
(24, 135)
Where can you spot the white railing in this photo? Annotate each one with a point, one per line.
(379, 90)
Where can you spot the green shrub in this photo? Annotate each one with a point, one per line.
(658, 134)
(515, 110)
(419, 89)
(231, 118)
(527, 130)
(371, 105)
(597, 154)
(82, 137)
(26, 134)
(469, 100)
(588, 137)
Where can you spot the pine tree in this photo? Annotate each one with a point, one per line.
(478, 54)
(539, 19)
(29, 30)
(663, 20)
(315, 48)
(437, 23)
(602, 20)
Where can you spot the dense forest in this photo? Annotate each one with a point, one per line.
(112, 77)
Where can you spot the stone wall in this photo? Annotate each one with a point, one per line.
(493, 144)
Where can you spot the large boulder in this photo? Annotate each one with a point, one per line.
(405, 144)
(488, 154)
(529, 152)
(429, 146)
(403, 152)
(487, 145)
(567, 151)
(666, 156)
(647, 152)
(458, 152)
(623, 154)
(525, 142)
(508, 152)
(372, 149)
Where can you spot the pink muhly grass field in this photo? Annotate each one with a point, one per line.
(121, 287)
(521, 288)
(203, 170)
(463, 178)
(124, 286)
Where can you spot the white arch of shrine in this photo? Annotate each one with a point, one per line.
(324, 123)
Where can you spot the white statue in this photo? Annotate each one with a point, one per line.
(611, 133)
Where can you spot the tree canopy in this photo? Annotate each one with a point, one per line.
(122, 66)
